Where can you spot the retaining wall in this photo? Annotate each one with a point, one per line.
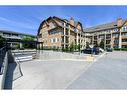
(2, 77)
(53, 55)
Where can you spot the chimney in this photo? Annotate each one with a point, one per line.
(119, 22)
(72, 22)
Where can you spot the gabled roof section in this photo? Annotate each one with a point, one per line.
(65, 20)
(124, 23)
(103, 27)
(46, 21)
(78, 23)
(54, 18)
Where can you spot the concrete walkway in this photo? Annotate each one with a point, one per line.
(49, 74)
(110, 72)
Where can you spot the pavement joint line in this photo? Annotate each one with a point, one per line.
(63, 59)
(83, 71)
(96, 59)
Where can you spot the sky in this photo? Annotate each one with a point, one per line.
(26, 19)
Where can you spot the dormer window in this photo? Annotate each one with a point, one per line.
(76, 30)
(115, 30)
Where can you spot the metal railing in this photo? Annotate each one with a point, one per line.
(19, 67)
(3, 59)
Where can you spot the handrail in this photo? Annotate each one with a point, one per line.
(18, 63)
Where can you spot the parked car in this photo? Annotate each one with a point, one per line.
(94, 50)
(109, 49)
(87, 51)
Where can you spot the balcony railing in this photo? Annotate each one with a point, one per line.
(12, 37)
(124, 43)
(124, 36)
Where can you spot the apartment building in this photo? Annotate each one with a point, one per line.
(60, 33)
(15, 36)
(55, 32)
(113, 34)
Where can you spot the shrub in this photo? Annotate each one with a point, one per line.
(117, 49)
(28, 44)
(72, 47)
(122, 49)
(2, 41)
(101, 45)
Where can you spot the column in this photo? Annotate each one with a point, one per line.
(20, 45)
(11, 45)
(64, 34)
(93, 39)
(69, 35)
(77, 39)
(111, 40)
(105, 41)
(80, 37)
(38, 46)
(120, 39)
(97, 39)
(85, 40)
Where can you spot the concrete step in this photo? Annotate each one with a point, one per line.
(23, 58)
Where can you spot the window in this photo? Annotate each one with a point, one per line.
(40, 35)
(116, 41)
(116, 30)
(124, 34)
(108, 31)
(76, 30)
(57, 39)
(53, 32)
(124, 40)
(67, 25)
(124, 28)
(62, 23)
(53, 40)
(115, 35)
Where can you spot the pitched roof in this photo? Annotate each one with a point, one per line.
(7, 31)
(63, 20)
(67, 21)
(102, 27)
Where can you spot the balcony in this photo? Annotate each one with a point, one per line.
(124, 43)
(52, 27)
(124, 36)
(123, 30)
(108, 38)
(12, 37)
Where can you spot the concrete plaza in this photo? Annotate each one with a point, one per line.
(108, 72)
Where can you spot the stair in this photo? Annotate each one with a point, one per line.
(21, 56)
(24, 58)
